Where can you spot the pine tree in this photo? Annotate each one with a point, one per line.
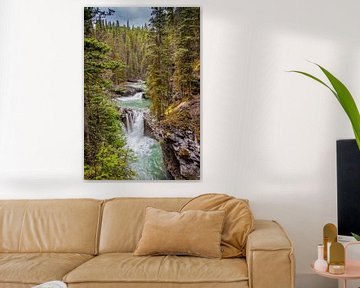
(187, 55)
(105, 155)
(159, 68)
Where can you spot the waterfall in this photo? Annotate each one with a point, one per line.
(149, 163)
(127, 125)
(136, 124)
(135, 138)
(136, 96)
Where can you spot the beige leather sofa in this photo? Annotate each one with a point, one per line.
(89, 243)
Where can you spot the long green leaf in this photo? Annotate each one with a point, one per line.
(316, 79)
(347, 102)
(344, 97)
(357, 237)
(357, 138)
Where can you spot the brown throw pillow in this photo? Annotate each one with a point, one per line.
(239, 221)
(196, 233)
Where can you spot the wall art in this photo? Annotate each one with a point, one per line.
(141, 93)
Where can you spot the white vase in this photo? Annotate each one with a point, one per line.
(320, 264)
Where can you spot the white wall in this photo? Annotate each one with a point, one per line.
(267, 135)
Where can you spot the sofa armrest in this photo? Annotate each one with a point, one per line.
(269, 256)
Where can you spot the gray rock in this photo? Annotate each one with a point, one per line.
(181, 151)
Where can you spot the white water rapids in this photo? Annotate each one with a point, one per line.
(136, 96)
(150, 164)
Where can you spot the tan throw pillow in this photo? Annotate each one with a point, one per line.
(196, 233)
(239, 220)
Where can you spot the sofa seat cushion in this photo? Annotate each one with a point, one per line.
(36, 268)
(15, 285)
(125, 267)
(242, 284)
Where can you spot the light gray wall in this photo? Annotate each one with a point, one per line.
(267, 135)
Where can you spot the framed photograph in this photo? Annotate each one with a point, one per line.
(142, 93)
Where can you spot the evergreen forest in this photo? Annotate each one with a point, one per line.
(163, 55)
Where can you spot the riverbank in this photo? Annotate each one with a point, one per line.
(179, 139)
(165, 149)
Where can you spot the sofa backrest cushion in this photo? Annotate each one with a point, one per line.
(238, 224)
(123, 220)
(66, 226)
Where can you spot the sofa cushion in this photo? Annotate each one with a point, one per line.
(123, 220)
(36, 268)
(15, 285)
(63, 226)
(193, 232)
(236, 284)
(239, 220)
(126, 268)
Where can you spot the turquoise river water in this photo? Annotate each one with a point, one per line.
(149, 164)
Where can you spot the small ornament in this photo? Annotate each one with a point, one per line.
(337, 258)
(330, 236)
(320, 264)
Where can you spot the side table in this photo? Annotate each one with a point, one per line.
(352, 269)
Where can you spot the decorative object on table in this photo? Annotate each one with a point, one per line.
(51, 284)
(320, 264)
(142, 93)
(337, 258)
(336, 269)
(329, 236)
(344, 97)
(344, 273)
(334, 251)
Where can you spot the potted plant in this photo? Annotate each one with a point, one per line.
(345, 99)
